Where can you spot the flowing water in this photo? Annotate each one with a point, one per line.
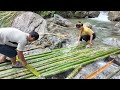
(101, 25)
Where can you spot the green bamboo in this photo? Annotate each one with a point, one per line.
(20, 71)
(84, 63)
(113, 73)
(70, 60)
(77, 62)
(74, 72)
(53, 70)
(47, 53)
(35, 66)
(6, 68)
(71, 67)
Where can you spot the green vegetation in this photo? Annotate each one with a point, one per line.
(7, 17)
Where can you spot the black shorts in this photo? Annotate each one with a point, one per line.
(87, 37)
(8, 51)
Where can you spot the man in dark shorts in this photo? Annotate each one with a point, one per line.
(13, 42)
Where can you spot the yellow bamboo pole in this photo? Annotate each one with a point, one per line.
(99, 70)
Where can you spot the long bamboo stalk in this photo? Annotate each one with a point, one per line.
(32, 65)
(12, 73)
(52, 51)
(9, 74)
(74, 72)
(59, 64)
(99, 70)
(96, 56)
(84, 63)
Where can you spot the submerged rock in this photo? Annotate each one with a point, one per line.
(112, 41)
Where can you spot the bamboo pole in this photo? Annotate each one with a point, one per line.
(13, 73)
(99, 70)
(96, 56)
(113, 73)
(70, 67)
(111, 51)
(74, 72)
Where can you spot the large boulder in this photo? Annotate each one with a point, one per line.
(61, 21)
(66, 14)
(28, 21)
(114, 15)
(89, 14)
(93, 14)
(81, 14)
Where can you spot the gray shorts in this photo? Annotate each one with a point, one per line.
(8, 51)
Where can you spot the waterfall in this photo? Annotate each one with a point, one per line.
(103, 16)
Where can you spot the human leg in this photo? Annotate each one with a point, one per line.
(2, 58)
(11, 53)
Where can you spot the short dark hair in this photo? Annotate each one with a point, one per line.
(79, 25)
(34, 34)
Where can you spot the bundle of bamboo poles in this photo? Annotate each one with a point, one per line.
(56, 62)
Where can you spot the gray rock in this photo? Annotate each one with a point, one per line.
(117, 25)
(114, 15)
(28, 21)
(81, 14)
(66, 14)
(112, 41)
(61, 21)
(89, 14)
(87, 24)
(93, 14)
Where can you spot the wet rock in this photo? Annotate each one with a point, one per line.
(117, 25)
(66, 14)
(117, 59)
(87, 24)
(81, 14)
(28, 21)
(61, 21)
(93, 14)
(112, 41)
(114, 15)
(84, 14)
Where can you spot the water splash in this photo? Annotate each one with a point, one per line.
(103, 16)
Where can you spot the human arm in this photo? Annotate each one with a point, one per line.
(20, 48)
(22, 58)
(80, 33)
(90, 42)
